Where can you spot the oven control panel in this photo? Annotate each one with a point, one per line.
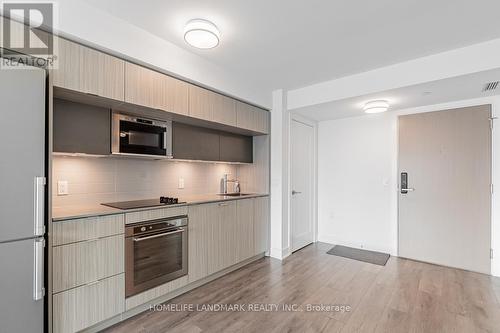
(157, 225)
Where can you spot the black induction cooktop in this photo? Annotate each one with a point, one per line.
(162, 201)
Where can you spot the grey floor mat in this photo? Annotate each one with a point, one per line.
(372, 257)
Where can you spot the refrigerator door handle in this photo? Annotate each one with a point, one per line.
(38, 288)
(39, 206)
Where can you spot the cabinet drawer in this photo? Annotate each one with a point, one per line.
(84, 262)
(82, 307)
(77, 230)
(153, 293)
(155, 214)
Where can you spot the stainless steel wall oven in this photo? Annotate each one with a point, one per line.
(155, 253)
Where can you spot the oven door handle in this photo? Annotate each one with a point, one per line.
(159, 235)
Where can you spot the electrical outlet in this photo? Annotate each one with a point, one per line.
(62, 187)
(181, 183)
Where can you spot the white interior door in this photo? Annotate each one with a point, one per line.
(302, 184)
(444, 217)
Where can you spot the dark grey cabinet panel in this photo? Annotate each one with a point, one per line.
(236, 148)
(198, 143)
(81, 128)
(195, 143)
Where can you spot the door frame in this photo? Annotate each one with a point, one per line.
(314, 197)
(446, 107)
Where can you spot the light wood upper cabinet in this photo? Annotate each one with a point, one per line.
(252, 118)
(261, 225)
(89, 71)
(155, 90)
(208, 105)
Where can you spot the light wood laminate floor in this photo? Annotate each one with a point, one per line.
(403, 296)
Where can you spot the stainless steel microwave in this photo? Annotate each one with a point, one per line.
(138, 136)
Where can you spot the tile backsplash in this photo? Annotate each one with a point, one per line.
(93, 180)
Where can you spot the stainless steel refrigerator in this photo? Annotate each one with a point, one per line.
(22, 199)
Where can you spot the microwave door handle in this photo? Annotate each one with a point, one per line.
(165, 140)
(159, 235)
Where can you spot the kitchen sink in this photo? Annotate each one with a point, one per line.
(233, 194)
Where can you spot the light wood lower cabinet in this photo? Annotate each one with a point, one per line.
(200, 217)
(82, 307)
(86, 70)
(221, 236)
(85, 262)
(154, 293)
(88, 279)
(261, 225)
(226, 233)
(245, 229)
(152, 89)
(213, 238)
(77, 230)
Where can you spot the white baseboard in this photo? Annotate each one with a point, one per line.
(279, 254)
(332, 239)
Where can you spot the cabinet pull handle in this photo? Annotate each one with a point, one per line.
(223, 204)
(140, 239)
(91, 240)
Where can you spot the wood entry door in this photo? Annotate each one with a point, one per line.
(445, 215)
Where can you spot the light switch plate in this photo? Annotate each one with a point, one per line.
(181, 183)
(62, 187)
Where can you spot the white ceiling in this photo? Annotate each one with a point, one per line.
(291, 43)
(430, 93)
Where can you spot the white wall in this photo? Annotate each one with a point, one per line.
(357, 179)
(79, 20)
(354, 182)
(280, 199)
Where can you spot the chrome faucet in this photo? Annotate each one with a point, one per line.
(225, 180)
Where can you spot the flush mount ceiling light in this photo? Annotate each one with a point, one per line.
(201, 34)
(376, 106)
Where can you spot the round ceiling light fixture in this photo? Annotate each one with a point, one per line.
(201, 34)
(376, 106)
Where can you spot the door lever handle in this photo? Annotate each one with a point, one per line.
(295, 192)
(406, 190)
